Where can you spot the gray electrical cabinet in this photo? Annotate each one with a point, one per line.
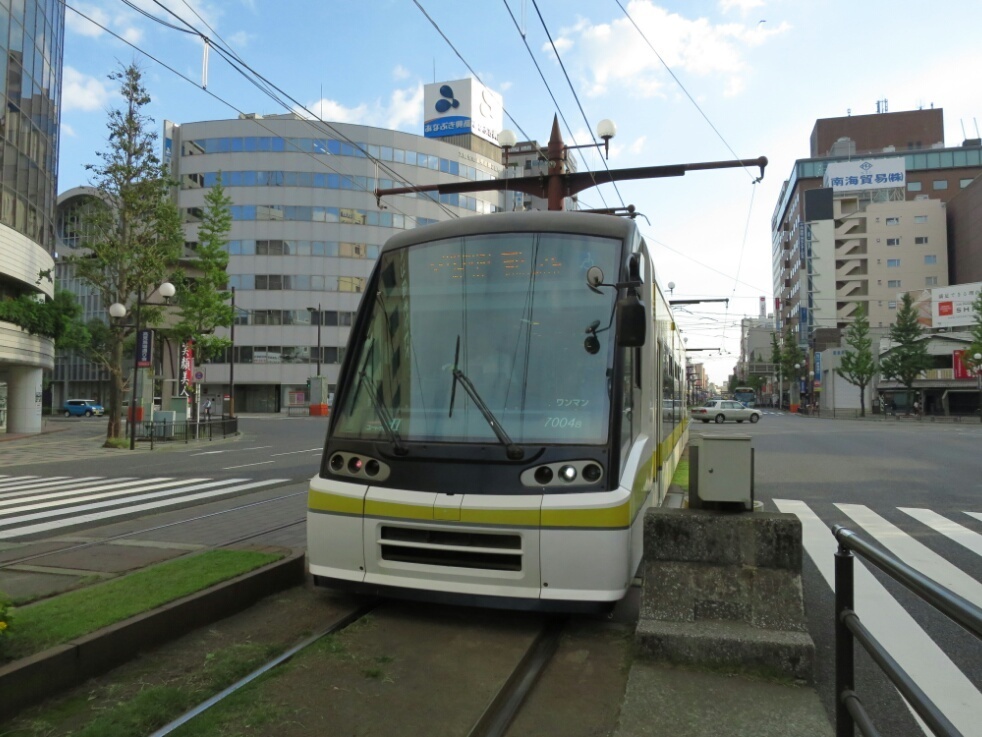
(721, 471)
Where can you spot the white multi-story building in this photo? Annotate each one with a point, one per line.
(306, 230)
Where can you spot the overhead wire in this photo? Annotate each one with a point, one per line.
(576, 97)
(268, 88)
(545, 82)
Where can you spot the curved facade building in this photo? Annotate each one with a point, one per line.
(306, 231)
(31, 38)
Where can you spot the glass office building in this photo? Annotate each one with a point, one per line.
(31, 37)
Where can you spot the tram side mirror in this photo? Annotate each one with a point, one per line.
(631, 321)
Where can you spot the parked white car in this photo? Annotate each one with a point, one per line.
(724, 410)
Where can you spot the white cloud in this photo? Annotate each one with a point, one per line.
(82, 92)
(67, 131)
(743, 6)
(614, 55)
(400, 72)
(77, 24)
(638, 145)
(334, 111)
(403, 110)
(239, 39)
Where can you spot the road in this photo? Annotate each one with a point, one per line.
(912, 487)
(915, 489)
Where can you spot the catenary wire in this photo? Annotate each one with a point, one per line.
(321, 162)
(277, 94)
(573, 90)
(681, 86)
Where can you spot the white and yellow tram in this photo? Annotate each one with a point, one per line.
(498, 427)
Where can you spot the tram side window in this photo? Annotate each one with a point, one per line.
(627, 402)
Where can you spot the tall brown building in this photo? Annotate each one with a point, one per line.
(911, 130)
(816, 269)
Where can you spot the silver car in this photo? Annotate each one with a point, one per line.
(724, 410)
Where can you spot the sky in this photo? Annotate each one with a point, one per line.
(684, 82)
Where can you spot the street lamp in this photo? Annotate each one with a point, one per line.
(117, 310)
(317, 311)
(978, 380)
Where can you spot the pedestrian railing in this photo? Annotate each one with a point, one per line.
(157, 431)
(298, 410)
(849, 710)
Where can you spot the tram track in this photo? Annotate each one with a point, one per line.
(494, 721)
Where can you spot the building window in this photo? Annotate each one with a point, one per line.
(964, 182)
(893, 263)
(891, 305)
(920, 240)
(929, 260)
(930, 281)
(894, 283)
(913, 186)
(893, 221)
(920, 218)
(893, 241)
(940, 184)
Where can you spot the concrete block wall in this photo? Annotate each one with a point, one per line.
(723, 590)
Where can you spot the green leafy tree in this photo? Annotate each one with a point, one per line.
(857, 365)
(976, 345)
(975, 348)
(203, 297)
(908, 357)
(56, 318)
(132, 229)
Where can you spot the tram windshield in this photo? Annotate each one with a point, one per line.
(513, 313)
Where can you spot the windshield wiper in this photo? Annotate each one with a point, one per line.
(380, 410)
(514, 452)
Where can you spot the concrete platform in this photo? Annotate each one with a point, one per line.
(664, 701)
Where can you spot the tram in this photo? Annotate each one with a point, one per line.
(498, 428)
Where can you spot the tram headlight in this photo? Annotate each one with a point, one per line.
(354, 464)
(592, 472)
(337, 462)
(543, 475)
(567, 474)
(372, 468)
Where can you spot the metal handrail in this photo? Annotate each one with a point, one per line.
(850, 711)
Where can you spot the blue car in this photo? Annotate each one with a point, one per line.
(82, 408)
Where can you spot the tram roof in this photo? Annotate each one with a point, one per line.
(510, 222)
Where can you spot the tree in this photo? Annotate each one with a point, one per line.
(857, 366)
(908, 356)
(203, 298)
(976, 345)
(132, 229)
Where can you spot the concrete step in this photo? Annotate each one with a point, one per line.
(728, 646)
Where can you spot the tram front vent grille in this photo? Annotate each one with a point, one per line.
(451, 549)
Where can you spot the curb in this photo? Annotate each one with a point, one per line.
(37, 677)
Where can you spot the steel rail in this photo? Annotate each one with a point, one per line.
(500, 712)
(282, 658)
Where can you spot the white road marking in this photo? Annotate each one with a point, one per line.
(294, 452)
(914, 553)
(207, 453)
(932, 670)
(952, 530)
(120, 500)
(52, 494)
(102, 516)
(244, 465)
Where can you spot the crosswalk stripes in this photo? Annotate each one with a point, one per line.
(32, 505)
(933, 671)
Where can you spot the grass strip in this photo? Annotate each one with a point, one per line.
(681, 477)
(63, 618)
